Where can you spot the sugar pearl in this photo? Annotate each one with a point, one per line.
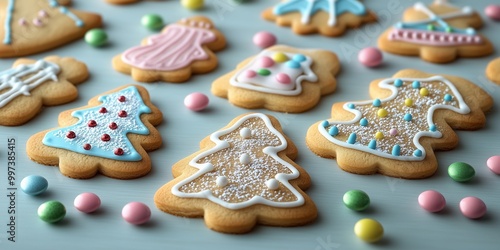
(136, 213)
(272, 184)
(245, 159)
(245, 133)
(379, 135)
(382, 113)
(393, 132)
(221, 181)
(264, 39)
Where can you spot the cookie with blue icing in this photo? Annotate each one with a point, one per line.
(327, 17)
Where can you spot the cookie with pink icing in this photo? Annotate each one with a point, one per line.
(32, 26)
(32, 84)
(111, 136)
(438, 33)
(280, 78)
(396, 132)
(493, 71)
(182, 49)
(243, 175)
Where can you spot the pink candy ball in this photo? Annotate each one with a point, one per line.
(136, 213)
(87, 202)
(432, 201)
(493, 11)
(493, 164)
(196, 101)
(472, 207)
(266, 62)
(370, 57)
(264, 39)
(283, 78)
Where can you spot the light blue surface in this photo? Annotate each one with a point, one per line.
(393, 201)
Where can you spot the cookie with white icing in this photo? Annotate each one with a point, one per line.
(438, 33)
(182, 49)
(111, 136)
(327, 17)
(29, 85)
(280, 78)
(493, 71)
(395, 134)
(32, 26)
(243, 175)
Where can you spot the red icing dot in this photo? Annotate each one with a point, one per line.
(103, 110)
(113, 126)
(105, 137)
(122, 113)
(92, 123)
(87, 146)
(119, 151)
(71, 135)
(122, 98)
(283, 78)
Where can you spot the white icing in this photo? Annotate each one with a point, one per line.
(465, 11)
(268, 150)
(12, 79)
(386, 84)
(269, 84)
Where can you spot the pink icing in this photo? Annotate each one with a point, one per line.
(433, 38)
(175, 49)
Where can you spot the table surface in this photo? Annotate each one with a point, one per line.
(394, 201)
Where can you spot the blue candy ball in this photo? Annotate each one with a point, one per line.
(34, 185)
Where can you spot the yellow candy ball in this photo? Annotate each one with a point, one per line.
(424, 92)
(408, 102)
(193, 4)
(382, 113)
(379, 135)
(280, 57)
(369, 230)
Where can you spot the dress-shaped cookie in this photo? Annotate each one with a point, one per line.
(438, 33)
(182, 49)
(280, 78)
(242, 176)
(111, 135)
(29, 85)
(396, 133)
(493, 71)
(33, 26)
(328, 17)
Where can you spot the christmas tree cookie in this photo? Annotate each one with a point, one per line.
(182, 49)
(33, 26)
(328, 17)
(29, 85)
(493, 71)
(111, 135)
(242, 176)
(280, 78)
(396, 133)
(438, 33)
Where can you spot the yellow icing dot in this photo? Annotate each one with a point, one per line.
(382, 113)
(379, 135)
(424, 92)
(280, 57)
(408, 102)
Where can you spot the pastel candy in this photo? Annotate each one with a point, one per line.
(280, 57)
(472, 207)
(136, 213)
(493, 164)
(87, 202)
(196, 101)
(265, 62)
(34, 185)
(283, 78)
(431, 201)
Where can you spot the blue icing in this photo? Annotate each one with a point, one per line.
(8, 22)
(309, 7)
(134, 105)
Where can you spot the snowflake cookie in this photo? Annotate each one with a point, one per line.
(182, 49)
(438, 33)
(328, 17)
(29, 85)
(395, 134)
(243, 175)
(280, 78)
(111, 135)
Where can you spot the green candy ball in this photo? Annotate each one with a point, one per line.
(51, 211)
(461, 171)
(152, 22)
(96, 37)
(356, 200)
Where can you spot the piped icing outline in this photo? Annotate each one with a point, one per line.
(386, 84)
(308, 8)
(220, 145)
(305, 66)
(134, 107)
